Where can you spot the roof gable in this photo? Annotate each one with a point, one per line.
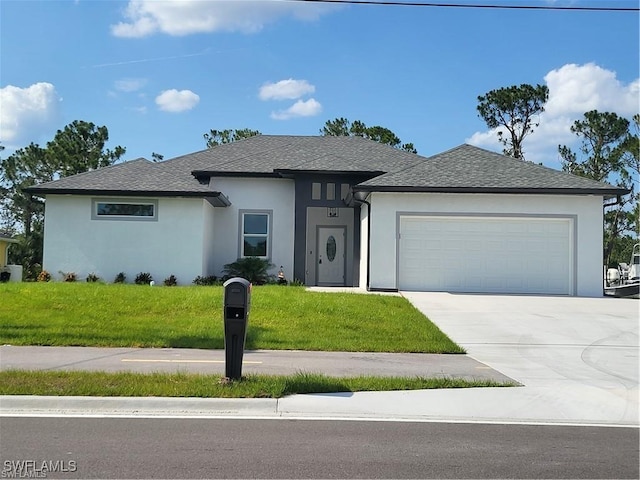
(473, 169)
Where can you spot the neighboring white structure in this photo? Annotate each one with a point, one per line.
(11, 273)
(334, 211)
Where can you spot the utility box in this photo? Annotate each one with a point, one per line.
(237, 303)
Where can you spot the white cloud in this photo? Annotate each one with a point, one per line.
(130, 84)
(302, 108)
(177, 101)
(285, 89)
(185, 17)
(573, 90)
(576, 89)
(27, 113)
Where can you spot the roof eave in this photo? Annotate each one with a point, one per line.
(605, 192)
(205, 174)
(120, 193)
(295, 171)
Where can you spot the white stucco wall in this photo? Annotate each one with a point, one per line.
(276, 195)
(364, 244)
(172, 245)
(587, 209)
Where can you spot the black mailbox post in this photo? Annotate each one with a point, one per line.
(237, 302)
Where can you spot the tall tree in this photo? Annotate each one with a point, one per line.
(24, 213)
(218, 137)
(80, 147)
(342, 127)
(515, 109)
(77, 148)
(609, 153)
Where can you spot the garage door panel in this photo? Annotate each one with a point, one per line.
(492, 254)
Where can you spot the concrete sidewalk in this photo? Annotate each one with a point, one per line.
(267, 362)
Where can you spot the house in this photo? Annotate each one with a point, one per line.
(8, 272)
(335, 211)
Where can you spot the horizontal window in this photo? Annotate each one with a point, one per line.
(124, 210)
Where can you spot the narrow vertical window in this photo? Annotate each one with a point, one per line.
(344, 191)
(316, 191)
(331, 191)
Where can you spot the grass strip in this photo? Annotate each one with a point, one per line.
(128, 384)
(281, 318)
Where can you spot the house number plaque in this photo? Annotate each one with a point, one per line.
(332, 211)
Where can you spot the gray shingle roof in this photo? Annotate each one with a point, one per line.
(266, 153)
(464, 169)
(469, 168)
(138, 176)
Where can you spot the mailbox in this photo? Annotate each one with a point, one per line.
(237, 302)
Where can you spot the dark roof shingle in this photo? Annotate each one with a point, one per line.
(461, 169)
(469, 168)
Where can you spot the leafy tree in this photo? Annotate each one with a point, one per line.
(341, 127)
(218, 137)
(24, 214)
(609, 153)
(513, 108)
(78, 148)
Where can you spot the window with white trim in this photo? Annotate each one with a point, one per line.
(256, 234)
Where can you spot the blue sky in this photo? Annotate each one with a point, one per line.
(160, 74)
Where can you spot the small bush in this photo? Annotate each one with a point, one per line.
(120, 278)
(296, 283)
(143, 278)
(253, 269)
(92, 278)
(44, 276)
(68, 276)
(206, 281)
(170, 281)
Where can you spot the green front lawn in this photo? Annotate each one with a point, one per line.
(127, 384)
(281, 318)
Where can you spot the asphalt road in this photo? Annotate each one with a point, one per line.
(198, 448)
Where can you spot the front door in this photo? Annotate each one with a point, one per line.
(330, 255)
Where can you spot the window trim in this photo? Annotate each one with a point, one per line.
(241, 234)
(129, 218)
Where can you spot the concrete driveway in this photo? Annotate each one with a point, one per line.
(577, 355)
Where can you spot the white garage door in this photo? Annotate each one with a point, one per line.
(486, 254)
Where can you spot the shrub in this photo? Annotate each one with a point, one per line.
(253, 269)
(68, 276)
(205, 281)
(120, 278)
(170, 281)
(44, 276)
(92, 278)
(296, 283)
(143, 278)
